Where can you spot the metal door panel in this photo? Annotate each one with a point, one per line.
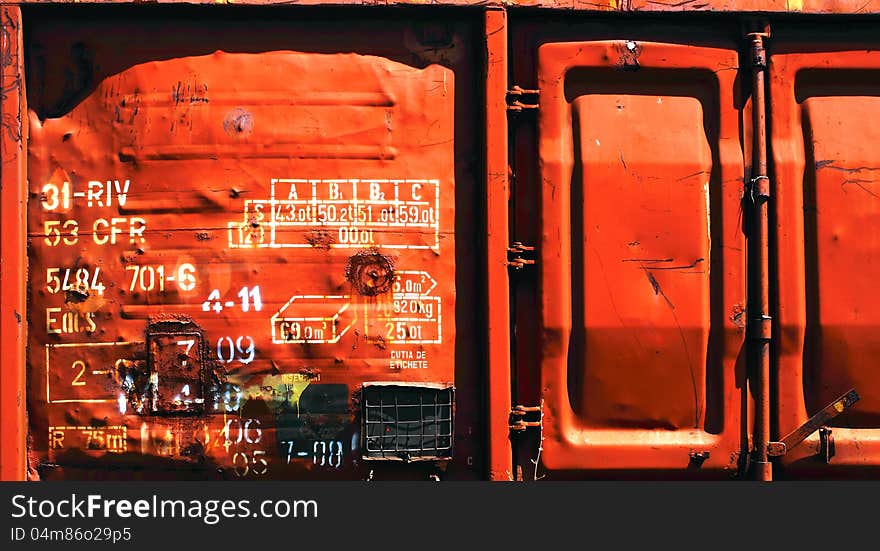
(642, 264)
(823, 143)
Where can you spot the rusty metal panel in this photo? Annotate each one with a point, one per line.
(641, 263)
(827, 248)
(229, 238)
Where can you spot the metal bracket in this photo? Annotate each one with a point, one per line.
(826, 444)
(519, 99)
(515, 255)
(759, 55)
(697, 458)
(816, 422)
(517, 424)
(759, 188)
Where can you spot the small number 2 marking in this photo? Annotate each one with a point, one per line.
(76, 381)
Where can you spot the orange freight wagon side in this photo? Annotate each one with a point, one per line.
(437, 242)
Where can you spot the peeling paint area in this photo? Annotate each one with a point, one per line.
(370, 272)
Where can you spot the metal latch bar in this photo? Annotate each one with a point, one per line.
(520, 425)
(519, 99)
(515, 255)
(798, 435)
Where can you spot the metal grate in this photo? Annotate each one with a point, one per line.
(407, 422)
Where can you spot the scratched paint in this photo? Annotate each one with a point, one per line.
(641, 253)
(222, 257)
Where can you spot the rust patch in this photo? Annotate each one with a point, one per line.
(370, 272)
(85, 304)
(738, 316)
(320, 239)
(239, 123)
(628, 55)
(11, 83)
(697, 459)
(310, 373)
(186, 93)
(175, 377)
(379, 342)
(76, 295)
(33, 459)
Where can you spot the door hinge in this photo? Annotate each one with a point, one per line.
(518, 424)
(520, 99)
(517, 253)
(758, 189)
(814, 423)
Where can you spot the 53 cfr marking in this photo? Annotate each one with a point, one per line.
(103, 231)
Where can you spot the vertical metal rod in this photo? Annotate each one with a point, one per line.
(497, 285)
(759, 316)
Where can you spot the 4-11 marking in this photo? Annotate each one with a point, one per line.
(246, 294)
